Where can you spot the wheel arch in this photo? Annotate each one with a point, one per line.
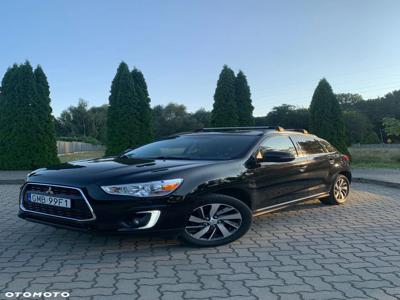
(237, 193)
(347, 174)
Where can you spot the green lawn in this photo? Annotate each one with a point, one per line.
(80, 155)
(368, 165)
(375, 157)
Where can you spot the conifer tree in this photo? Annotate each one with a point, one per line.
(7, 114)
(144, 109)
(326, 119)
(243, 101)
(22, 141)
(46, 119)
(123, 120)
(224, 111)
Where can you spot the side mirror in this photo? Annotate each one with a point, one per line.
(276, 156)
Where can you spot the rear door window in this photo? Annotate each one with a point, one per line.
(328, 147)
(309, 145)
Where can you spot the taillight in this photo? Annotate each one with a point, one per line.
(346, 158)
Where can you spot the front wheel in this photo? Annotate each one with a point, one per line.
(340, 190)
(216, 220)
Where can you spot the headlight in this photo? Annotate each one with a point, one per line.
(147, 189)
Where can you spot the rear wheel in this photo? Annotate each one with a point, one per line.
(339, 191)
(216, 220)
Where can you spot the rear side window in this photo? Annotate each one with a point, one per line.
(308, 144)
(279, 143)
(328, 147)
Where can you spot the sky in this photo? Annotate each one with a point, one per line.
(284, 47)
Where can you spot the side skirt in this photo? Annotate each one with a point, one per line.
(279, 206)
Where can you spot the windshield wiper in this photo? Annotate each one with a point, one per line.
(170, 157)
(157, 157)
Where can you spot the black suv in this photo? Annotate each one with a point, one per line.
(203, 186)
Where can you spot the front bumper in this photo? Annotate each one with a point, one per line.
(108, 214)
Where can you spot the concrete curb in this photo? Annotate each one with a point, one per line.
(395, 185)
(12, 181)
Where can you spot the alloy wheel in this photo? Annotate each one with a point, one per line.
(213, 222)
(341, 189)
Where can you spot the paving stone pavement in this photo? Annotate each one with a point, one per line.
(309, 251)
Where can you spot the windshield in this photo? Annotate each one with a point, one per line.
(197, 147)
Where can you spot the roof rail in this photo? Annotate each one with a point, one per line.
(221, 129)
(277, 128)
(298, 130)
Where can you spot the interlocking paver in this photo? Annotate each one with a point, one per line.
(211, 282)
(264, 282)
(263, 293)
(308, 251)
(148, 292)
(323, 295)
(206, 294)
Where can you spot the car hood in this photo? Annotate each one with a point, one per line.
(114, 170)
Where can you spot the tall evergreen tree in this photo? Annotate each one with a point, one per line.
(22, 145)
(243, 101)
(46, 119)
(7, 110)
(144, 109)
(224, 111)
(326, 119)
(123, 120)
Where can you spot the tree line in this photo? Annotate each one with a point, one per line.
(366, 121)
(28, 130)
(232, 107)
(81, 123)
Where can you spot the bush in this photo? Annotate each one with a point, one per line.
(371, 138)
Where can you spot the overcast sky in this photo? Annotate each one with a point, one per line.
(284, 47)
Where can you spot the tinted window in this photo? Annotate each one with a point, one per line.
(201, 147)
(308, 144)
(328, 147)
(279, 143)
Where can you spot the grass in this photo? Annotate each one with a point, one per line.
(388, 158)
(80, 155)
(376, 165)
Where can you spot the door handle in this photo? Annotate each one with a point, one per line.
(302, 169)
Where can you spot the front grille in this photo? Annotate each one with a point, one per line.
(79, 207)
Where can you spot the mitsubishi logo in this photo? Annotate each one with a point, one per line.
(50, 191)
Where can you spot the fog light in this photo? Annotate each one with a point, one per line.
(144, 219)
(140, 219)
(136, 221)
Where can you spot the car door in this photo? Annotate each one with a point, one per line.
(278, 182)
(317, 160)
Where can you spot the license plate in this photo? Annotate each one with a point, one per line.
(49, 200)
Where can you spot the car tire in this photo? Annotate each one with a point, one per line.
(216, 220)
(339, 192)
